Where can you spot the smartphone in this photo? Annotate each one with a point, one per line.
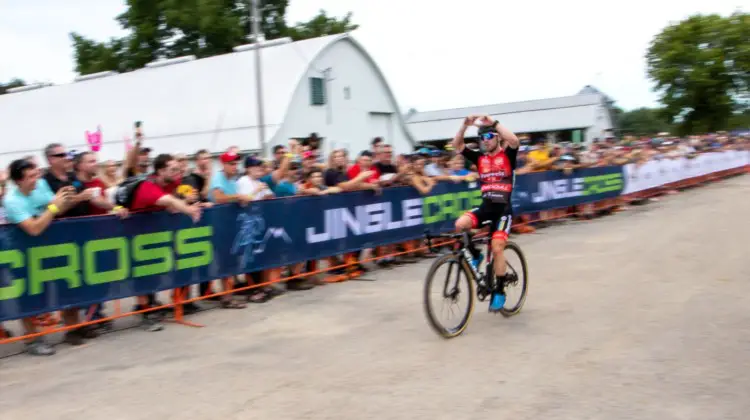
(138, 132)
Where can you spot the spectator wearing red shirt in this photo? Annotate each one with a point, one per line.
(154, 194)
(365, 171)
(86, 169)
(364, 164)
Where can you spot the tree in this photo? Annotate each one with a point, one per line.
(322, 25)
(10, 85)
(642, 121)
(204, 28)
(701, 67)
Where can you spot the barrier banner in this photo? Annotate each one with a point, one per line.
(656, 173)
(82, 261)
(549, 190)
(78, 262)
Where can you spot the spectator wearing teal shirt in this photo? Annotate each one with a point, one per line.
(223, 190)
(33, 207)
(20, 207)
(282, 188)
(281, 180)
(225, 181)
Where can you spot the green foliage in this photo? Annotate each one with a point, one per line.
(10, 85)
(173, 28)
(322, 25)
(642, 121)
(701, 67)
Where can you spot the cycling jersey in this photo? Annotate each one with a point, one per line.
(495, 173)
(496, 176)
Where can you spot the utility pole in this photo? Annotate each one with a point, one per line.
(258, 38)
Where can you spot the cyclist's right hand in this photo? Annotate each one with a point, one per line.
(468, 121)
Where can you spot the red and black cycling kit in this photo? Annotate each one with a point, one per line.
(496, 177)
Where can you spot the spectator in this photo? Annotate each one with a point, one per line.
(375, 145)
(279, 152)
(137, 158)
(251, 186)
(364, 164)
(313, 141)
(309, 161)
(3, 189)
(281, 180)
(155, 193)
(86, 169)
(295, 147)
(109, 175)
(539, 156)
(198, 179)
(385, 167)
(336, 176)
(223, 190)
(85, 179)
(457, 168)
(283, 183)
(431, 167)
(413, 175)
(194, 189)
(314, 184)
(33, 208)
(59, 176)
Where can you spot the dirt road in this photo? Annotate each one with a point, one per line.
(641, 315)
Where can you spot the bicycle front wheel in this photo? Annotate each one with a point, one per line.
(451, 281)
(518, 280)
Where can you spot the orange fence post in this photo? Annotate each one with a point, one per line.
(179, 315)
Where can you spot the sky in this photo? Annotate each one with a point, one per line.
(434, 54)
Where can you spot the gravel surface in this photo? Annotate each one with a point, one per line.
(640, 315)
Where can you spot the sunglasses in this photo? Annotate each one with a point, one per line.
(59, 155)
(488, 136)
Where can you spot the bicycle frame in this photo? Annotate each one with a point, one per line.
(465, 243)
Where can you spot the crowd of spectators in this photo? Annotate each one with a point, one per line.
(613, 151)
(75, 184)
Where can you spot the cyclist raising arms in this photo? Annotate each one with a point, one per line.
(496, 168)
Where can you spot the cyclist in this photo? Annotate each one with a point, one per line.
(496, 168)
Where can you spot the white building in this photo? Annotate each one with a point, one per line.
(328, 85)
(582, 117)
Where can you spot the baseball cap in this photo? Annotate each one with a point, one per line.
(424, 152)
(252, 161)
(308, 155)
(229, 157)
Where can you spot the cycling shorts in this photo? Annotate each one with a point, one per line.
(496, 215)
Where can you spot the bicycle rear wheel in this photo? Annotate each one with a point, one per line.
(455, 282)
(518, 280)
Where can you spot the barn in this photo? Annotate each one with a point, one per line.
(583, 117)
(329, 85)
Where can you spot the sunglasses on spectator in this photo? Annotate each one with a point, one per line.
(488, 136)
(59, 155)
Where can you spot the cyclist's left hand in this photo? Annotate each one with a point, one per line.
(486, 120)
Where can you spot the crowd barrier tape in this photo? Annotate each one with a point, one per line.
(78, 262)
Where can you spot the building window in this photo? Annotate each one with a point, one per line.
(347, 93)
(317, 91)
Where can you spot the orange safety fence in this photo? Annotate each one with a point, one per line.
(50, 323)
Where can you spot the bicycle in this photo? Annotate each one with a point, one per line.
(462, 259)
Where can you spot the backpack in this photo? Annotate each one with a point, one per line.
(125, 192)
